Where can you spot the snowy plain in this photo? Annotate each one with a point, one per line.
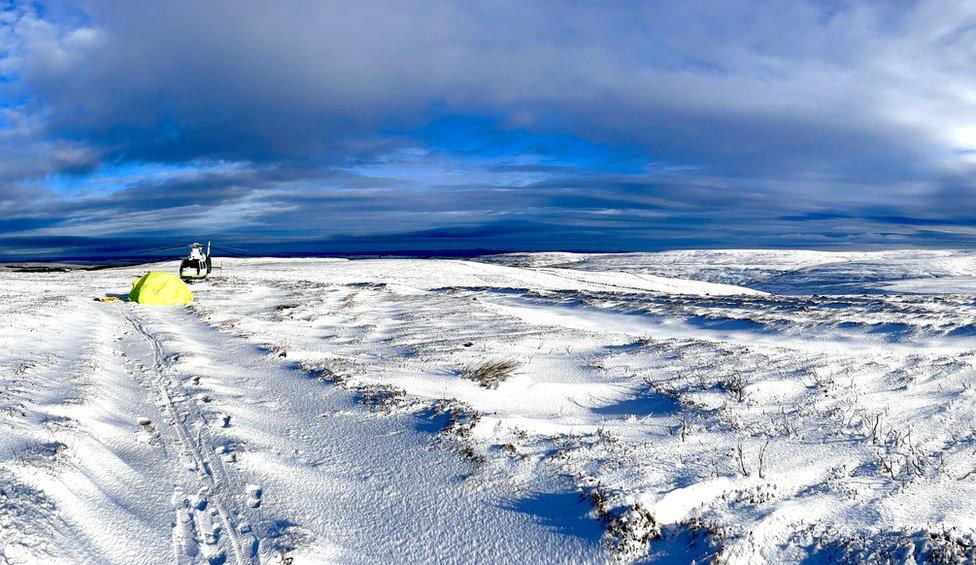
(735, 406)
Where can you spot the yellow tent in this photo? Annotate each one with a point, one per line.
(160, 289)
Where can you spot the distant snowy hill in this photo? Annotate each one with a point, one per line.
(783, 271)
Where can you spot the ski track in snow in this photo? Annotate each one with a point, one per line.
(318, 410)
(213, 479)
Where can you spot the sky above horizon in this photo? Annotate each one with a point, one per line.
(431, 125)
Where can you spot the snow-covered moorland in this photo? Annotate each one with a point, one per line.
(744, 406)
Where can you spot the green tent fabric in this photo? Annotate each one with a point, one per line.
(160, 289)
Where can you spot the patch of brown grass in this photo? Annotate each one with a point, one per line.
(489, 374)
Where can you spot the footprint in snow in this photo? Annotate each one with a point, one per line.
(225, 453)
(254, 493)
(199, 500)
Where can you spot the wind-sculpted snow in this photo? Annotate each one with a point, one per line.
(133, 434)
(827, 418)
(781, 271)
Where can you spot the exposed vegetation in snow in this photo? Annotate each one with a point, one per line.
(489, 374)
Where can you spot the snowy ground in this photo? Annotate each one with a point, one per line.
(751, 406)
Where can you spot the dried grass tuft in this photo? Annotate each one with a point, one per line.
(489, 374)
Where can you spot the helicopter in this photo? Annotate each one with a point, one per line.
(196, 266)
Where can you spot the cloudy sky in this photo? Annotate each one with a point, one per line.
(432, 125)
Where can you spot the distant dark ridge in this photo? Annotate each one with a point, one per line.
(61, 266)
(94, 262)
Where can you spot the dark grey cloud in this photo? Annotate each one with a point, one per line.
(750, 122)
(262, 209)
(734, 86)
